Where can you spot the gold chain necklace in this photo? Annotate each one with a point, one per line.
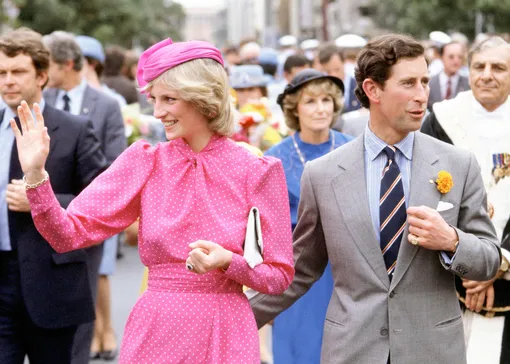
(301, 156)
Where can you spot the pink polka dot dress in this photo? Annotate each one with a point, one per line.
(182, 196)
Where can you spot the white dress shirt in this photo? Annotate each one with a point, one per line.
(76, 98)
(443, 83)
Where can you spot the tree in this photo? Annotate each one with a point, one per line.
(418, 17)
(123, 22)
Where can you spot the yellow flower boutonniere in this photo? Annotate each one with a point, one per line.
(444, 182)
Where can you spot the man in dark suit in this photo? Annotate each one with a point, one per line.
(68, 88)
(331, 60)
(44, 295)
(448, 83)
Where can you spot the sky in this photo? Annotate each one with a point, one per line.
(200, 3)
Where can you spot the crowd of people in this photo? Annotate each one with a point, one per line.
(378, 168)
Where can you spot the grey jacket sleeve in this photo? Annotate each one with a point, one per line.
(478, 256)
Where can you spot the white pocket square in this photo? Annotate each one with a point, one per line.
(443, 206)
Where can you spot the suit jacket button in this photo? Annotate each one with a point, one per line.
(384, 331)
(392, 294)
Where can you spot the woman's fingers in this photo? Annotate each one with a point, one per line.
(22, 120)
(39, 119)
(15, 129)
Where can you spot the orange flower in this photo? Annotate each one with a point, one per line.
(444, 182)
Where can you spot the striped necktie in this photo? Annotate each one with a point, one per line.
(392, 211)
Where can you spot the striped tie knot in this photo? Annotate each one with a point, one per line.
(390, 152)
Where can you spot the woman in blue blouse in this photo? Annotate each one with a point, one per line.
(311, 103)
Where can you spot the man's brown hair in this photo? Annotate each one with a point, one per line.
(28, 42)
(377, 58)
(327, 51)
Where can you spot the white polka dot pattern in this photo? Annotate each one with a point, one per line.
(182, 196)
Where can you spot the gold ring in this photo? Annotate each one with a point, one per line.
(415, 241)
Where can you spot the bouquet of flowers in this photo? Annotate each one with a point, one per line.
(140, 126)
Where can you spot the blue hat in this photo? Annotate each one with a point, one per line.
(268, 56)
(249, 75)
(91, 47)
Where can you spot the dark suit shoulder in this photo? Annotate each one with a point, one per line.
(343, 152)
(63, 118)
(443, 149)
(52, 91)
(432, 127)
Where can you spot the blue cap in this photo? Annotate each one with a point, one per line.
(91, 47)
(268, 56)
(249, 75)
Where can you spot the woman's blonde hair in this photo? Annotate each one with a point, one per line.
(204, 83)
(314, 87)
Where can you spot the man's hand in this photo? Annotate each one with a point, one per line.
(429, 228)
(16, 196)
(478, 293)
(206, 256)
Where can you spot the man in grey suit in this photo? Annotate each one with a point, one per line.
(68, 91)
(395, 232)
(448, 83)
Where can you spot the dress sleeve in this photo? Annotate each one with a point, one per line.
(267, 190)
(106, 207)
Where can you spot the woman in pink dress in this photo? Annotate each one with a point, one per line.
(192, 196)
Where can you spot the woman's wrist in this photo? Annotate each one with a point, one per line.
(227, 261)
(34, 177)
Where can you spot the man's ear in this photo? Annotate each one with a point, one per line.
(69, 65)
(372, 90)
(42, 78)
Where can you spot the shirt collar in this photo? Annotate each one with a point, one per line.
(445, 78)
(76, 91)
(374, 146)
(9, 114)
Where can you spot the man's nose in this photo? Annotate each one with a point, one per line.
(487, 72)
(8, 78)
(422, 93)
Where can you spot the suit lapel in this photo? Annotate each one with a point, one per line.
(351, 195)
(462, 85)
(422, 192)
(89, 100)
(15, 171)
(52, 125)
(435, 89)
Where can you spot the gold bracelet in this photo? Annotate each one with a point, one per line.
(455, 245)
(35, 185)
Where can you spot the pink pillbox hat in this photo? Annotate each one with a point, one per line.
(166, 54)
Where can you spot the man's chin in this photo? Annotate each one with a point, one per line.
(13, 104)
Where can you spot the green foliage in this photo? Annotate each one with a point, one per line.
(419, 17)
(125, 22)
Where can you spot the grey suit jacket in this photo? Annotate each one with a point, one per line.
(104, 112)
(416, 317)
(435, 89)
